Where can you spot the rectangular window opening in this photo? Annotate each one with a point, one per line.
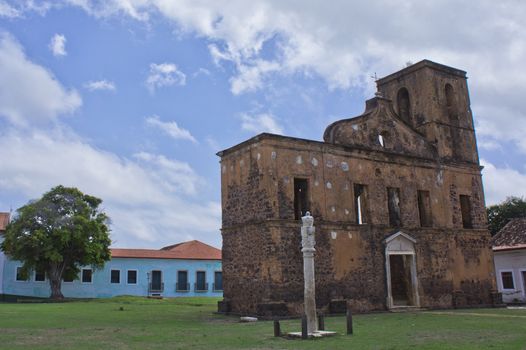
(182, 281)
(68, 278)
(201, 285)
(87, 275)
(507, 280)
(465, 210)
(393, 203)
(40, 276)
(360, 203)
(115, 276)
(156, 281)
(19, 275)
(301, 198)
(132, 277)
(424, 209)
(218, 280)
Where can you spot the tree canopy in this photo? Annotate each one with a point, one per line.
(59, 233)
(500, 214)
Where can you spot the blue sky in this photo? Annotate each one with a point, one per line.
(129, 100)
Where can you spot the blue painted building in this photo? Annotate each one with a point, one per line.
(186, 269)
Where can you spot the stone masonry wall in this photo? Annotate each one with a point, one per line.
(262, 263)
(350, 265)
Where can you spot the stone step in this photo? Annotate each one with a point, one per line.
(155, 296)
(406, 309)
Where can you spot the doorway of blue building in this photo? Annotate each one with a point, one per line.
(157, 281)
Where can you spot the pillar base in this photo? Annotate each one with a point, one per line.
(317, 334)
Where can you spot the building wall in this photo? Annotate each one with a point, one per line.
(511, 261)
(2, 263)
(261, 240)
(451, 129)
(102, 288)
(258, 184)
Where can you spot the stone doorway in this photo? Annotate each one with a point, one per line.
(401, 288)
(400, 266)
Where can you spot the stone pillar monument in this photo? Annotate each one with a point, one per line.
(307, 244)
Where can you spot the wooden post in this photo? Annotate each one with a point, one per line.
(277, 329)
(349, 321)
(321, 322)
(304, 331)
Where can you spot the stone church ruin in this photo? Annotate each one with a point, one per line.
(396, 194)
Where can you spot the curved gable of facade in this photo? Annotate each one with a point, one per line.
(379, 128)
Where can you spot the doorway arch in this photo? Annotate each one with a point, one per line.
(400, 267)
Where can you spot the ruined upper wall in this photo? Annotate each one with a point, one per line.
(422, 110)
(379, 128)
(257, 183)
(433, 99)
(425, 82)
(383, 149)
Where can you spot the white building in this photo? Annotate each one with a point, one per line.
(4, 220)
(509, 249)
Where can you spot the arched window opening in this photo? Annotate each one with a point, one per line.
(451, 104)
(452, 113)
(383, 139)
(404, 105)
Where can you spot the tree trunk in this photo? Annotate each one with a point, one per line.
(55, 282)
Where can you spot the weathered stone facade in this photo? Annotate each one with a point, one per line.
(407, 167)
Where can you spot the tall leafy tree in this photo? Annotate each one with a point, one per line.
(59, 233)
(500, 214)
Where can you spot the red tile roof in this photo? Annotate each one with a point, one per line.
(4, 220)
(511, 236)
(194, 250)
(507, 247)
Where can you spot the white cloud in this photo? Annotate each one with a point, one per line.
(151, 199)
(107, 8)
(175, 175)
(500, 183)
(8, 11)
(170, 128)
(57, 45)
(503, 122)
(344, 45)
(201, 71)
(250, 78)
(259, 123)
(164, 74)
(100, 85)
(488, 144)
(28, 92)
(213, 144)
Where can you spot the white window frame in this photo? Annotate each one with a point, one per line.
(81, 276)
(35, 277)
(16, 275)
(502, 282)
(522, 275)
(120, 274)
(136, 277)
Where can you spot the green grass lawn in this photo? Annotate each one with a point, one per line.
(189, 323)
